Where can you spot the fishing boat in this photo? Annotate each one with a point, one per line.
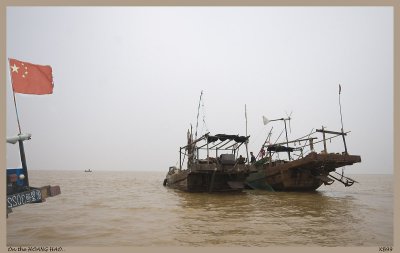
(304, 168)
(224, 172)
(89, 170)
(304, 173)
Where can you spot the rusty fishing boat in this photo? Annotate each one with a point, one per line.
(301, 172)
(224, 172)
(304, 168)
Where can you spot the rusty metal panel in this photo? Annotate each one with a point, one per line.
(44, 191)
(55, 190)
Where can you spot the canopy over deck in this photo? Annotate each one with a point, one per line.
(279, 148)
(224, 137)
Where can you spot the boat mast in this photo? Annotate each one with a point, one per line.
(287, 140)
(324, 139)
(246, 142)
(341, 120)
(198, 112)
(245, 116)
(197, 126)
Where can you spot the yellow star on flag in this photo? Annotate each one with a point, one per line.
(15, 68)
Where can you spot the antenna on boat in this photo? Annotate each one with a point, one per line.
(288, 118)
(198, 111)
(245, 116)
(341, 120)
(247, 140)
(287, 140)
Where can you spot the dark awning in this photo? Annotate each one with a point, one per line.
(224, 137)
(279, 148)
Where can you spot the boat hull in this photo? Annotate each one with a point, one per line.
(206, 181)
(305, 174)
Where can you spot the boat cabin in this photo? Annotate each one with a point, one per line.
(219, 149)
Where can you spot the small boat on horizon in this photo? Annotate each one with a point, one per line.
(89, 170)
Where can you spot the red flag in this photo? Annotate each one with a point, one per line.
(30, 78)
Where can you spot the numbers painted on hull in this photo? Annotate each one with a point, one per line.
(23, 198)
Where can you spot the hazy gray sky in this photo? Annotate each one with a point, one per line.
(128, 80)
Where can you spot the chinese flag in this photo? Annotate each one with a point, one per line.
(28, 78)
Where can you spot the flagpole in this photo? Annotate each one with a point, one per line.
(20, 142)
(16, 112)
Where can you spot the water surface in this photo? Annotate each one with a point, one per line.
(134, 209)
